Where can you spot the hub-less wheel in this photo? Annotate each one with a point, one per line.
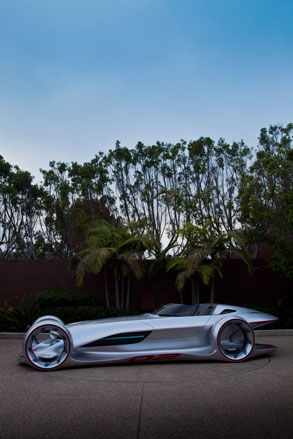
(235, 340)
(47, 345)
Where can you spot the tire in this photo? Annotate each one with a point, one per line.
(235, 340)
(47, 345)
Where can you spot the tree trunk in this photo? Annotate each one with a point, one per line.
(212, 298)
(197, 293)
(128, 292)
(193, 298)
(122, 302)
(106, 290)
(116, 289)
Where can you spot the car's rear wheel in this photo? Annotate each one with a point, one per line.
(47, 345)
(235, 340)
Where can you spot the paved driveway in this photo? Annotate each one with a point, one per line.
(253, 399)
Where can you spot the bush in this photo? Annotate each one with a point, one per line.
(18, 313)
(62, 297)
(83, 313)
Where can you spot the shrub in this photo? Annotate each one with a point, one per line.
(18, 313)
(82, 313)
(62, 297)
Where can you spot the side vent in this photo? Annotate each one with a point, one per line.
(116, 339)
(227, 311)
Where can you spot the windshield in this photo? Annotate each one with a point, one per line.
(179, 310)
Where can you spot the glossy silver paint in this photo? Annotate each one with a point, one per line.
(224, 335)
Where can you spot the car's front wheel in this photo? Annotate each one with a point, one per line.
(47, 345)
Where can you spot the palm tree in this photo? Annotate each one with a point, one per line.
(223, 247)
(203, 256)
(192, 269)
(112, 249)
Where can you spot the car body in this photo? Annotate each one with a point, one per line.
(172, 332)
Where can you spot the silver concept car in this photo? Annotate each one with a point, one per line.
(172, 332)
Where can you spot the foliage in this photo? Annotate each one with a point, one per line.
(70, 314)
(267, 199)
(113, 249)
(60, 297)
(20, 210)
(156, 202)
(202, 257)
(163, 187)
(17, 314)
(76, 196)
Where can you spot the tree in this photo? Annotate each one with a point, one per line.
(76, 196)
(266, 197)
(147, 181)
(157, 191)
(163, 187)
(20, 210)
(216, 171)
(193, 269)
(203, 255)
(112, 249)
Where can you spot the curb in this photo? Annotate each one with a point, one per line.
(257, 332)
(273, 332)
(19, 335)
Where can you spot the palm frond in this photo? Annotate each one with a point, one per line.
(206, 273)
(175, 264)
(181, 280)
(80, 274)
(133, 265)
(98, 258)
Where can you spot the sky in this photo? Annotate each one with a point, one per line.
(76, 75)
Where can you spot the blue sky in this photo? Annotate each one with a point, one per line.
(76, 75)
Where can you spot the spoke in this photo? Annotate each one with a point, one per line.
(41, 346)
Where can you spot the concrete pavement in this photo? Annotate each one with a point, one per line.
(180, 400)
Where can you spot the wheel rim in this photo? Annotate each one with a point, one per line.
(236, 340)
(47, 347)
